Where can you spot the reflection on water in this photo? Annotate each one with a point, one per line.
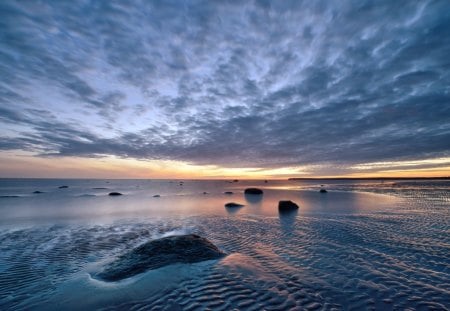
(88, 201)
(287, 220)
(253, 198)
(234, 209)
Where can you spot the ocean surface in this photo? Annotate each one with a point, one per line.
(364, 245)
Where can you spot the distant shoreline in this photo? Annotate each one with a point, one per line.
(370, 178)
(229, 179)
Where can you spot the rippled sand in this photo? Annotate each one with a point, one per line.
(394, 257)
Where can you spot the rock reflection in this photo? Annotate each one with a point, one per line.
(253, 198)
(233, 209)
(287, 220)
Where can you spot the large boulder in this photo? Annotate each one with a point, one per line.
(285, 206)
(158, 253)
(253, 191)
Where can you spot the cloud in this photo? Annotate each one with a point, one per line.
(255, 84)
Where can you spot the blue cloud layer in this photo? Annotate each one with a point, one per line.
(264, 83)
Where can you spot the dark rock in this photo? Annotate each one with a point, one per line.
(115, 193)
(159, 253)
(63, 187)
(323, 191)
(235, 180)
(266, 181)
(253, 191)
(37, 192)
(9, 196)
(156, 196)
(99, 188)
(204, 192)
(233, 204)
(228, 192)
(284, 206)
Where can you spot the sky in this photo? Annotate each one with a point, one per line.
(221, 89)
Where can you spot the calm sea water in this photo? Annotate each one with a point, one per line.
(363, 245)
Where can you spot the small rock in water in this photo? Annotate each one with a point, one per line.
(156, 196)
(233, 204)
(115, 193)
(228, 192)
(323, 191)
(253, 191)
(235, 180)
(284, 206)
(204, 192)
(37, 192)
(63, 187)
(158, 253)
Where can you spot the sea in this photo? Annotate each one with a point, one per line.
(362, 245)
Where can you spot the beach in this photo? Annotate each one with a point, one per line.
(373, 244)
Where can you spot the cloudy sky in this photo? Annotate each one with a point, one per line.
(224, 88)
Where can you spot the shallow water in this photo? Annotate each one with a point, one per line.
(363, 245)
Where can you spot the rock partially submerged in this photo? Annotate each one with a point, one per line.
(156, 196)
(158, 253)
(115, 193)
(323, 190)
(37, 192)
(285, 206)
(233, 204)
(63, 187)
(253, 191)
(228, 192)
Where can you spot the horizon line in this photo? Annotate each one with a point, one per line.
(238, 179)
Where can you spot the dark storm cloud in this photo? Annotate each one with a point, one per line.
(264, 83)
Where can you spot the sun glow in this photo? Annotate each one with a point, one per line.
(21, 164)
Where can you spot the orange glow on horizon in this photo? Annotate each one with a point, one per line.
(23, 165)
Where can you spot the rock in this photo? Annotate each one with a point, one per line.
(204, 192)
(253, 191)
(266, 181)
(233, 204)
(99, 188)
(323, 191)
(235, 180)
(156, 196)
(228, 192)
(284, 206)
(37, 192)
(63, 187)
(158, 253)
(115, 193)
